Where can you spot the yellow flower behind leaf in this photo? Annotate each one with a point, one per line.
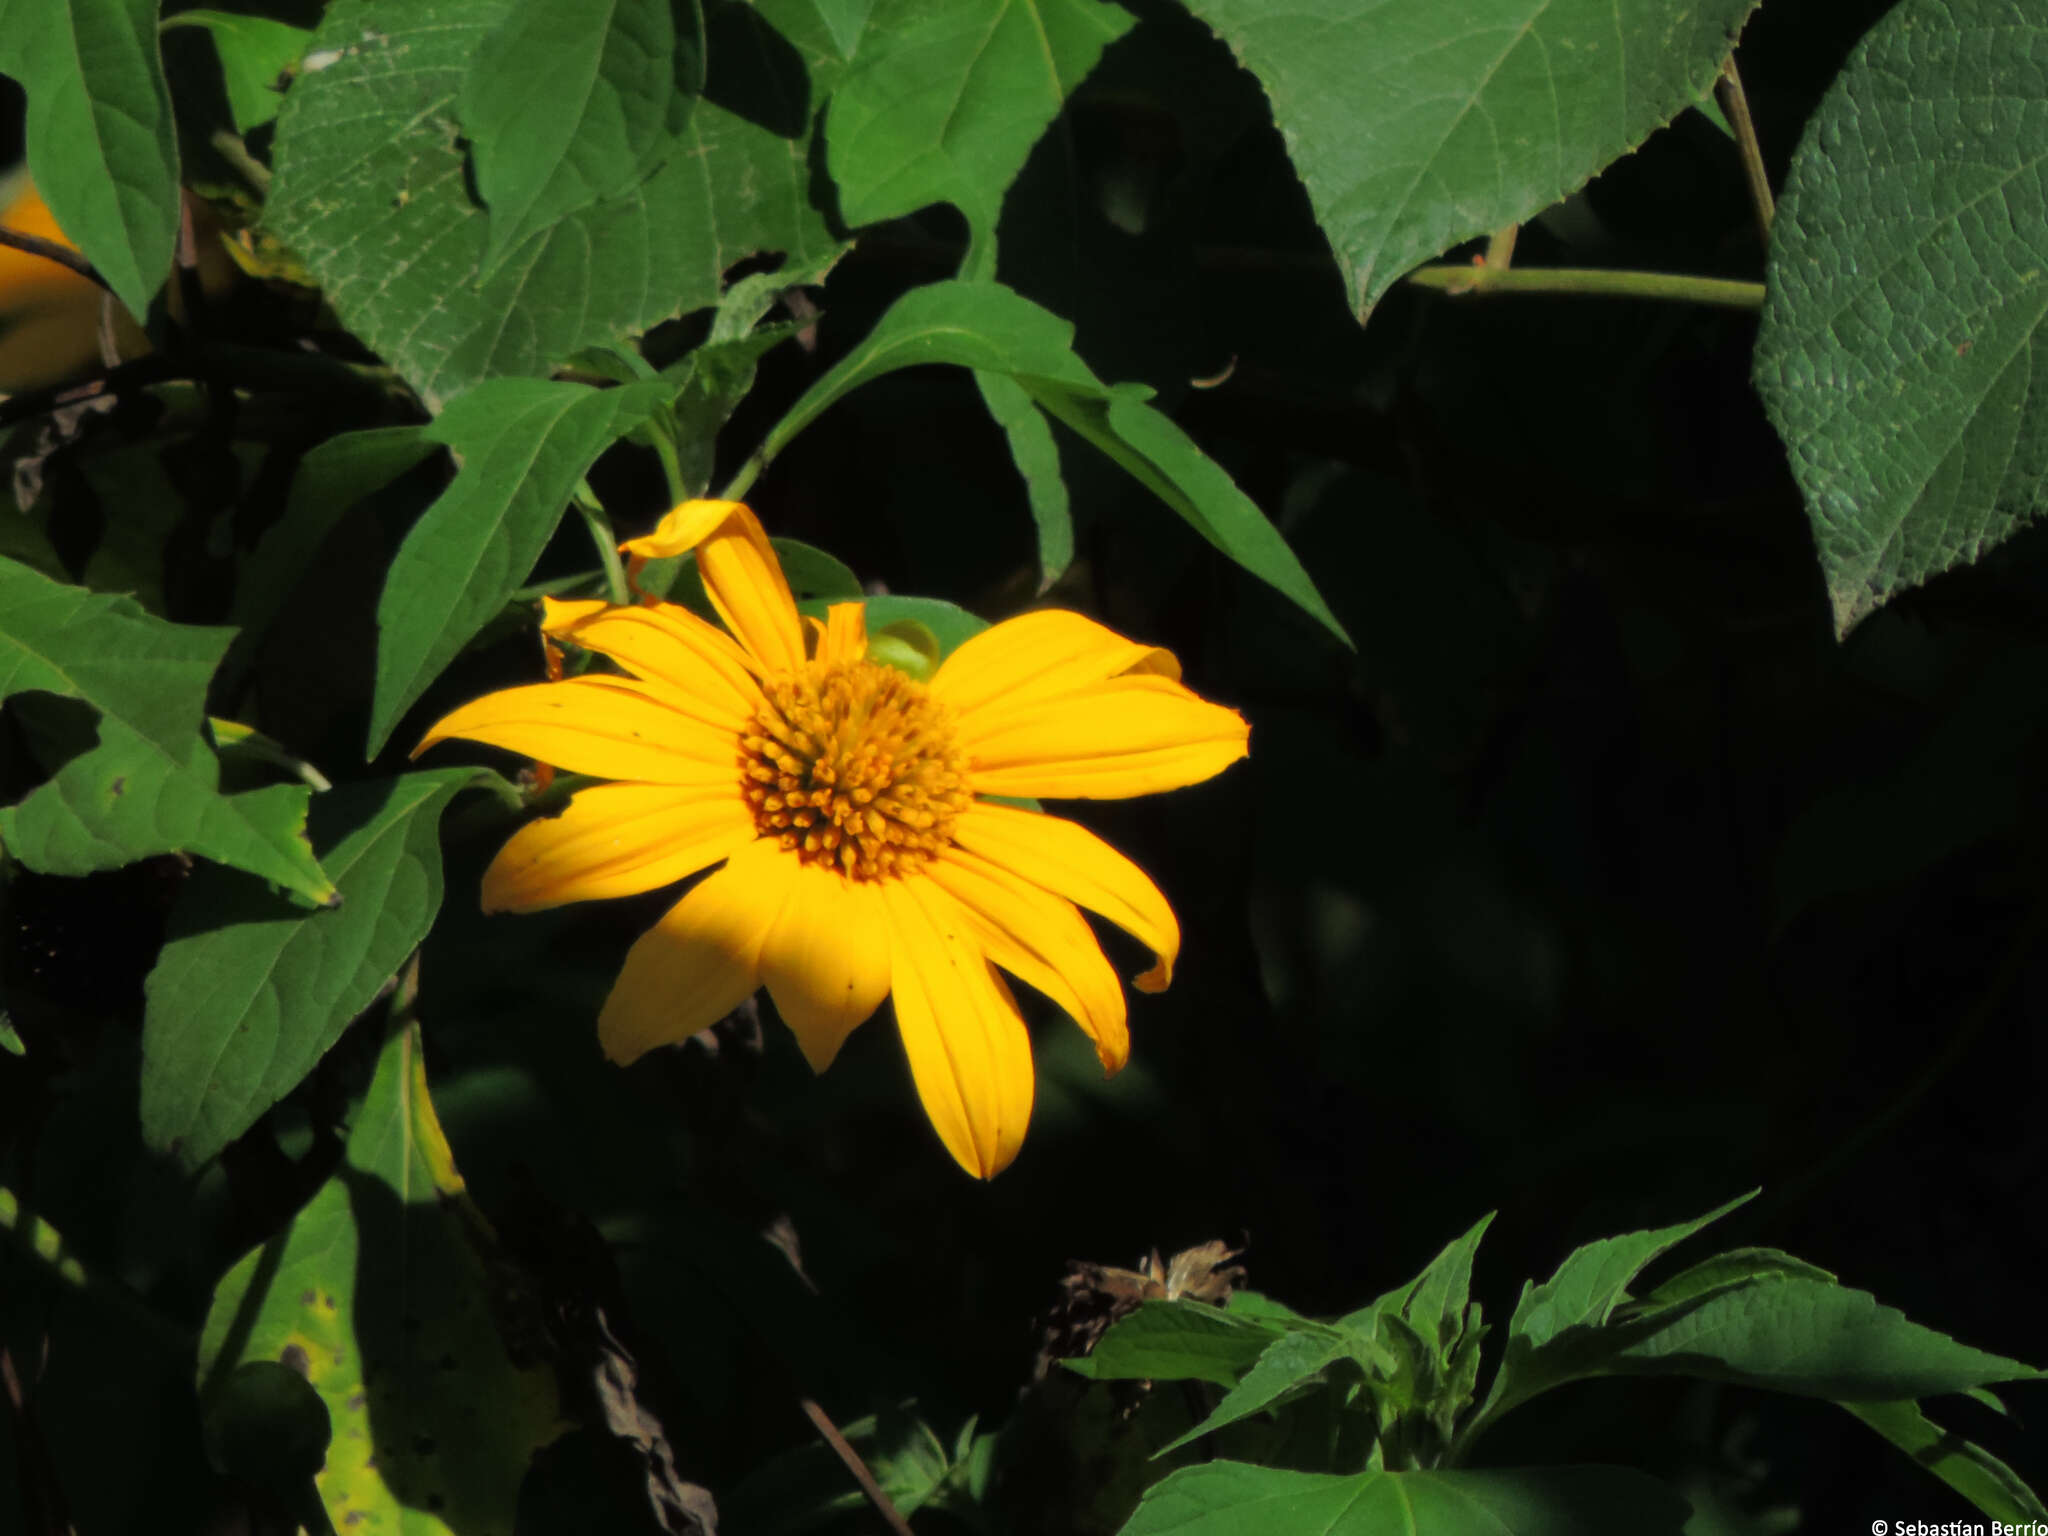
(844, 802)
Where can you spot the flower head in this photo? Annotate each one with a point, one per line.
(846, 804)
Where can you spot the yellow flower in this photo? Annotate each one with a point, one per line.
(845, 801)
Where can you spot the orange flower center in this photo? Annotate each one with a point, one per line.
(854, 765)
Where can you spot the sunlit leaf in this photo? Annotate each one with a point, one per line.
(255, 52)
(100, 142)
(1903, 338)
(1177, 1341)
(380, 1293)
(1415, 124)
(249, 993)
(523, 444)
(989, 328)
(1794, 1334)
(150, 782)
(617, 78)
(944, 102)
(370, 190)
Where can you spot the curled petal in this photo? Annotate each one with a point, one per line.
(612, 727)
(665, 644)
(826, 960)
(1132, 735)
(741, 576)
(700, 961)
(1031, 660)
(846, 633)
(1073, 862)
(1043, 940)
(617, 840)
(969, 1052)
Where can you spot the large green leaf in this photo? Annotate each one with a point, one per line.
(987, 327)
(370, 192)
(380, 1293)
(1794, 1334)
(1968, 1468)
(944, 101)
(100, 141)
(619, 77)
(1903, 342)
(1229, 1498)
(523, 445)
(151, 783)
(249, 994)
(1415, 124)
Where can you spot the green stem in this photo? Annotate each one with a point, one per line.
(554, 587)
(737, 487)
(607, 544)
(1677, 287)
(671, 467)
(1735, 107)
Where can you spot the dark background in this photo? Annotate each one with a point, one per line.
(1600, 884)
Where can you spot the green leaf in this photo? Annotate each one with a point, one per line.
(370, 191)
(101, 145)
(1794, 1334)
(1903, 338)
(565, 106)
(248, 994)
(1435, 1305)
(987, 327)
(944, 102)
(1177, 1341)
(1229, 1498)
(1288, 1362)
(523, 444)
(1594, 1279)
(151, 784)
(380, 1293)
(255, 53)
(1972, 1471)
(333, 478)
(1038, 461)
(951, 625)
(1732, 1268)
(1415, 124)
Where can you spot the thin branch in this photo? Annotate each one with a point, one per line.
(1677, 287)
(1735, 106)
(843, 1448)
(50, 250)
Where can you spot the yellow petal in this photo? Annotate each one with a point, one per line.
(665, 644)
(700, 961)
(1043, 940)
(826, 960)
(969, 1053)
(617, 840)
(846, 633)
(1036, 657)
(682, 528)
(613, 727)
(1127, 736)
(1073, 862)
(741, 575)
